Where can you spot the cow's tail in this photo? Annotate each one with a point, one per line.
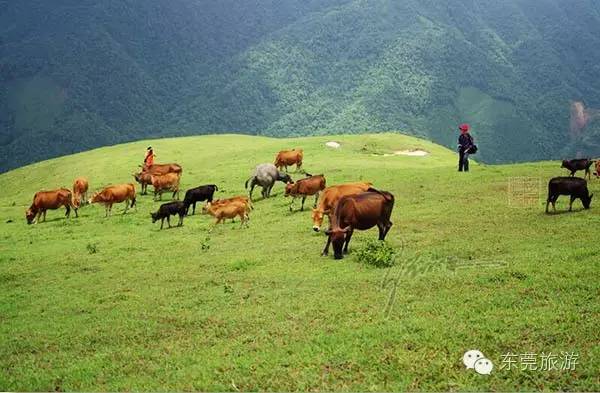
(307, 174)
(216, 188)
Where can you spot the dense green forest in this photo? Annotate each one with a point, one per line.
(77, 74)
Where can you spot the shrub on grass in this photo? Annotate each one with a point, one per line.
(377, 253)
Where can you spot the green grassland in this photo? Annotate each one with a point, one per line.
(106, 304)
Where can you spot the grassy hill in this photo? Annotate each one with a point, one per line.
(298, 67)
(100, 304)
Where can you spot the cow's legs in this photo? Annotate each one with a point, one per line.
(571, 202)
(180, 220)
(388, 226)
(110, 209)
(326, 249)
(303, 200)
(193, 208)
(45, 211)
(169, 220)
(316, 200)
(68, 210)
(292, 203)
(348, 237)
(126, 206)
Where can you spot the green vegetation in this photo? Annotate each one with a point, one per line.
(99, 304)
(82, 74)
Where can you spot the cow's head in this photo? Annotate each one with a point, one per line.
(284, 177)
(289, 188)
(206, 208)
(587, 201)
(94, 198)
(317, 217)
(30, 215)
(154, 217)
(338, 237)
(565, 164)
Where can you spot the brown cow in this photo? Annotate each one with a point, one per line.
(227, 210)
(312, 185)
(80, 189)
(242, 198)
(144, 179)
(49, 200)
(167, 182)
(115, 194)
(162, 169)
(362, 211)
(286, 158)
(331, 196)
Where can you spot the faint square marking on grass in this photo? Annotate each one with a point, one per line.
(524, 192)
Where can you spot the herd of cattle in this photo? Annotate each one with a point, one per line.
(349, 207)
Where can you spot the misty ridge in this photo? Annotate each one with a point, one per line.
(77, 75)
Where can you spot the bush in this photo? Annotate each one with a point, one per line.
(377, 253)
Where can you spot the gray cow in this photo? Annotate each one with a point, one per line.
(265, 175)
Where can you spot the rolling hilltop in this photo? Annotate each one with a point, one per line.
(115, 304)
(79, 74)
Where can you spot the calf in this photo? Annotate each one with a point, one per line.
(312, 185)
(286, 158)
(229, 210)
(166, 182)
(199, 194)
(166, 210)
(582, 164)
(49, 200)
(162, 169)
(144, 179)
(330, 197)
(362, 211)
(115, 194)
(575, 187)
(80, 189)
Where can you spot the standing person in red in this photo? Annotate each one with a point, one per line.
(465, 147)
(149, 159)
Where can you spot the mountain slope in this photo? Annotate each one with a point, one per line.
(96, 304)
(84, 74)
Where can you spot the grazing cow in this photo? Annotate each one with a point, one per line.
(330, 197)
(115, 194)
(144, 179)
(166, 210)
(312, 185)
(582, 164)
(199, 194)
(228, 210)
(242, 199)
(80, 189)
(49, 200)
(287, 158)
(162, 169)
(265, 175)
(362, 211)
(575, 187)
(167, 182)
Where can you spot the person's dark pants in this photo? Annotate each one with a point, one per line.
(463, 161)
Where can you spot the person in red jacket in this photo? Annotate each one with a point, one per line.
(149, 159)
(465, 144)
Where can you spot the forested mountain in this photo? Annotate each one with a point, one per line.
(77, 74)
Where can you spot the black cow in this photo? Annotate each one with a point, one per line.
(199, 194)
(582, 164)
(166, 210)
(575, 187)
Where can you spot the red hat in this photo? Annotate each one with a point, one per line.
(464, 127)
